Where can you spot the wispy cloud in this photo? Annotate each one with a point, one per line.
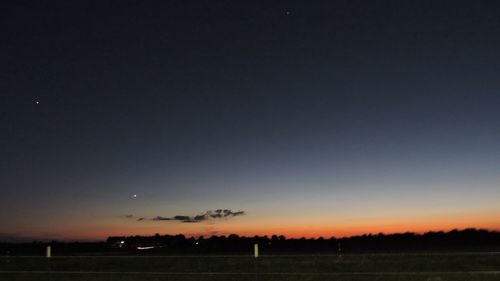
(160, 218)
(217, 214)
(208, 215)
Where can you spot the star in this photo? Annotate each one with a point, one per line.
(135, 195)
(287, 13)
(37, 102)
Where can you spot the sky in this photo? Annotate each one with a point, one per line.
(301, 118)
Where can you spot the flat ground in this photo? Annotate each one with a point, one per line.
(362, 267)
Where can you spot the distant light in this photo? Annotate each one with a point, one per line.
(145, 248)
(37, 102)
(197, 243)
(135, 195)
(122, 242)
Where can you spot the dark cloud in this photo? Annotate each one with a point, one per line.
(239, 213)
(201, 217)
(217, 214)
(160, 218)
(130, 216)
(182, 218)
(233, 214)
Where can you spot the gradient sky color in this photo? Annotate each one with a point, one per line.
(316, 118)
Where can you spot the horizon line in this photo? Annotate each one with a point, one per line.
(24, 240)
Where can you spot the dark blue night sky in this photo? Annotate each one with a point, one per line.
(315, 118)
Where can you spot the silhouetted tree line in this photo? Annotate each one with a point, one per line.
(455, 240)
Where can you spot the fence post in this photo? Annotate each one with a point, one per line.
(339, 250)
(48, 252)
(256, 250)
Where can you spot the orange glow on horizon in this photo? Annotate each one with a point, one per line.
(290, 228)
(289, 232)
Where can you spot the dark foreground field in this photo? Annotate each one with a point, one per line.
(452, 266)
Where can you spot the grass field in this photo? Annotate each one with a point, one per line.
(429, 267)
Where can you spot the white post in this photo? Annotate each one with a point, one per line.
(256, 250)
(48, 252)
